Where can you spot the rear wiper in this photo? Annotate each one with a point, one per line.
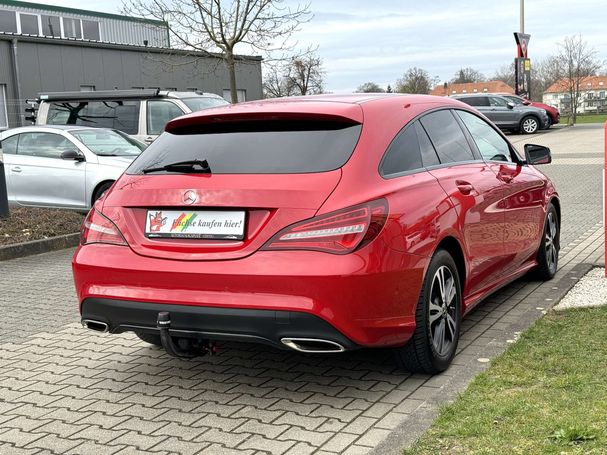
(193, 166)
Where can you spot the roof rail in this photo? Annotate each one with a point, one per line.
(99, 95)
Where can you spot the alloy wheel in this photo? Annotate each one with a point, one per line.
(442, 315)
(549, 243)
(530, 125)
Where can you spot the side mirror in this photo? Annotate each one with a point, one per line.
(510, 105)
(72, 155)
(537, 154)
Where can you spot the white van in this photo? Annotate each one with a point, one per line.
(141, 114)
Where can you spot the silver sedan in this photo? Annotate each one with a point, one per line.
(64, 166)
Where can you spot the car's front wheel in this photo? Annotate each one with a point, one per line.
(437, 317)
(548, 253)
(530, 125)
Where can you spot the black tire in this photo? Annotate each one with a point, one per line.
(437, 318)
(549, 123)
(149, 338)
(101, 189)
(548, 253)
(529, 125)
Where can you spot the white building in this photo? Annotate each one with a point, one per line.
(592, 97)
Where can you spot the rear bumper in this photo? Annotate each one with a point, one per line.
(260, 326)
(367, 298)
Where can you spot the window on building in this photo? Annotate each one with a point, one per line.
(87, 88)
(29, 24)
(241, 95)
(8, 21)
(590, 95)
(90, 30)
(51, 25)
(71, 28)
(3, 110)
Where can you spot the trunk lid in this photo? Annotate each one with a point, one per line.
(270, 204)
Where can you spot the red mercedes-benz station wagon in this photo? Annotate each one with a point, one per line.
(319, 224)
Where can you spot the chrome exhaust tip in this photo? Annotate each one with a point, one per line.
(312, 345)
(97, 326)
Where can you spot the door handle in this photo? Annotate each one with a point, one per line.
(464, 187)
(16, 169)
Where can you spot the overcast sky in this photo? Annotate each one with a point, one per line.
(377, 40)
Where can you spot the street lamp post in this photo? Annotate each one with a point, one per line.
(522, 64)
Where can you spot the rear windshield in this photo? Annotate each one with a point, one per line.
(202, 102)
(269, 147)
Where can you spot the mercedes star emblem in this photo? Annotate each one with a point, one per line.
(189, 197)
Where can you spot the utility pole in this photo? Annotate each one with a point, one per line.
(522, 64)
(522, 17)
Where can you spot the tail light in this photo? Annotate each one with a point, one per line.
(98, 229)
(338, 232)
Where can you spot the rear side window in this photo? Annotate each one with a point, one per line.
(403, 154)
(159, 113)
(257, 147)
(475, 100)
(447, 137)
(119, 115)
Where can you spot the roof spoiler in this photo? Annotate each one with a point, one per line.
(99, 95)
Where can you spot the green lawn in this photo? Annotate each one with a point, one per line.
(547, 394)
(586, 118)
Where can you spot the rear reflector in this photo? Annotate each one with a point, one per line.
(338, 232)
(98, 229)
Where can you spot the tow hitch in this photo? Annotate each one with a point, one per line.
(184, 347)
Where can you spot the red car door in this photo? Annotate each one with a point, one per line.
(475, 191)
(521, 192)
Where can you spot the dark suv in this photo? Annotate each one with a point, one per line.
(506, 115)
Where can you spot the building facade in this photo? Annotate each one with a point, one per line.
(46, 49)
(592, 96)
(472, 87)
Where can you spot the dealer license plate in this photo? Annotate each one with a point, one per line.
(195, 224)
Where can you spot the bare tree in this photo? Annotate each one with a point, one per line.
(302, 74)
(464, 75)
(415, 80)
(576, 61)
(221, 25)
(305, 75)
(505, 73)
(275, 82)
(369, 87)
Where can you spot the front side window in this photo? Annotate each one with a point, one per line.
(491, 145)
(159, 113)
(118, 115)
(45, 145)
(104, 142)
(497, 101)
(256, 147)
(447, 137)
(514, 99)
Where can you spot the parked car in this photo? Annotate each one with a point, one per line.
(64, 166)
(319, 224)
(140, 113)
(554, 115)
(507, 115)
